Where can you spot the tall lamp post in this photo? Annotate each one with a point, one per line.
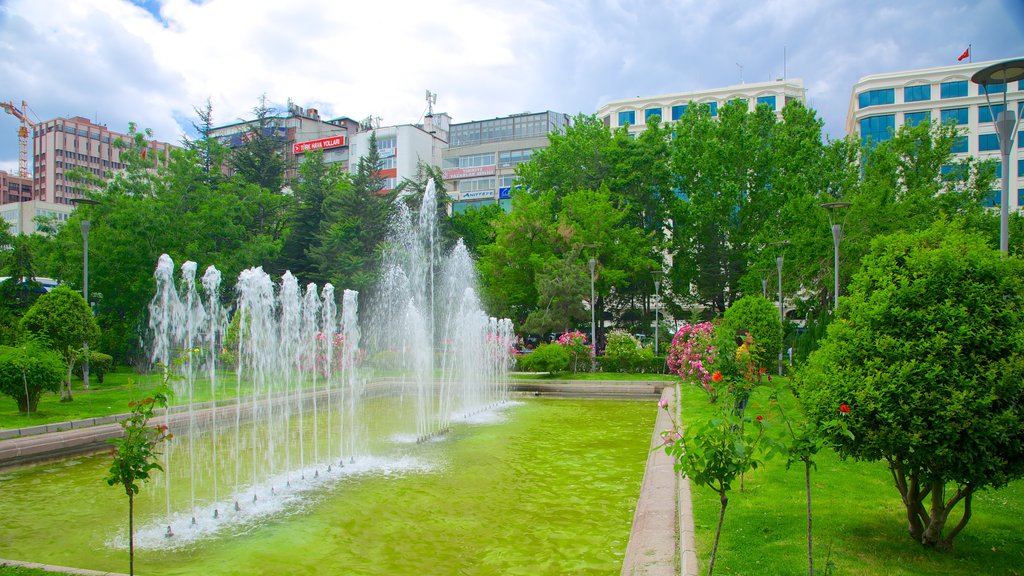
(837, 234)
(85, 286)
(592, 264)
(782, 315)
(1002, 73)
(657, 301)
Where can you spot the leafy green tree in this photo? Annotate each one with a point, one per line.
(20, 291)
(65, 320)
(348, 248)
(318, 182)
(754, 316)
(134, 457)
(561, 291)
(29, 369)
(927, 357)
(476, 226)
(260, 160)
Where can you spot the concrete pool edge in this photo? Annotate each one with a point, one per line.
(56, 569)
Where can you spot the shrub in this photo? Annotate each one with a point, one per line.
(693, 354)
(758, 317)
(575, 343)
(99, 365)
(623, 353)
(30, 367)
(545, 358)
(925, 362)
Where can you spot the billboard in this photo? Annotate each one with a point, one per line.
(321, 144)
(472, 172)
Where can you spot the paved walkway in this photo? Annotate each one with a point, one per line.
(57, 569)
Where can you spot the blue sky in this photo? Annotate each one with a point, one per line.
(153, 61)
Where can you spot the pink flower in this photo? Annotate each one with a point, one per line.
(663, 404)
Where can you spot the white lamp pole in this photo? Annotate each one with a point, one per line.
(837, 234)
(657, 286)
(85, 294)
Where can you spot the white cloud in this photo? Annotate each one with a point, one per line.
(114, 61)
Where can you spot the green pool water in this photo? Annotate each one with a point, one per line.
(550, 489)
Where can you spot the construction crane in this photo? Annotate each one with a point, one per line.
(23, 132)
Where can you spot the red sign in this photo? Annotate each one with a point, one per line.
(321, 144)
(453, 173)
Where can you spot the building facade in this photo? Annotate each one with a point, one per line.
(882, 103)
(479, 164)
(403, 147)
(21, 216)
(62, 144)
(635, 112)
(14, 188)
(299, 131)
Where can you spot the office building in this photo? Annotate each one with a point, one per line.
(635, 112)
(479, 164)
(403, 147)
(62, 144)
(882, 103)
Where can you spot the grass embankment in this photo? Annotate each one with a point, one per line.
(858, 517)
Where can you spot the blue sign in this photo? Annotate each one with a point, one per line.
(504, 193)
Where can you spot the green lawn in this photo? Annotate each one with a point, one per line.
(859, 524)
(615, 376)
(17, 571)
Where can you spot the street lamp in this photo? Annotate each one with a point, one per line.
(837, 233)
(657, 286)
(1002, 73)
(85, 286)
(592, 263)
(782, 315)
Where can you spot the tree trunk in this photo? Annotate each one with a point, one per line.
(810, 545)
(65, 394)
(131, 533)
(718, 533)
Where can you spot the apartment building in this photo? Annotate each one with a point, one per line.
(635, 112)
(62, 144)
(882, 103)
(403, 147)
(479, 164)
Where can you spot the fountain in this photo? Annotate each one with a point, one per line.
(295, 417)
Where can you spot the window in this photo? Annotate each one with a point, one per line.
(474, 160)
(767, 100)
(651, 113)
(1020, 195)
(917, 93)
(958, 115)
(991, 200)
(955, 172)
(988, 142)
(877, 129)
(627, 118)
(389, 183)
(1020, 168)
(959, 145)
(991, 89)
(714, 108)
(985, 114)
(476, 185)
(741, 101)
(513, 157)
(678, 111)
(388, 163)
(956, 89)
(915, 118)
(877, 97)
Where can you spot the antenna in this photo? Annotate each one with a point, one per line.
(431, 100)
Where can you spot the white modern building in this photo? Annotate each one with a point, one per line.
(21, 216)
(482, 155)
(635, 112)
(882, 103)
(403, 147)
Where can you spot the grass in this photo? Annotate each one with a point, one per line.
(859, 522)
(18, 571)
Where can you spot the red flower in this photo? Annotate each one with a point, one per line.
(844, 408)
(717, 376)
(759, 417)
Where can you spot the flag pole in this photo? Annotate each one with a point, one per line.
(970, 55)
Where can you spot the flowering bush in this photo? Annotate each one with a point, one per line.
(623, 353)
(692, 355)
(575, 343)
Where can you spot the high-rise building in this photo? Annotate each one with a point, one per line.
(298, 131)
(62, 144)
(882, 103)
(480, 162)
(635, 112)
(14, 188)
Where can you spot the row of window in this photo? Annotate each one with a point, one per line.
(676, 112)
(509, 128)
(922, 92)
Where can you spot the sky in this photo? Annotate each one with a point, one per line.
(153, 62)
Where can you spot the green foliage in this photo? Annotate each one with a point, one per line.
(99, 365)
(317, 183)
(757, 317)
(928, 353)
(64, 319)
(623, 353)
(476, 226)
(29, 369)
(544, 358)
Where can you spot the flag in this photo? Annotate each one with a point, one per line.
(966, 54)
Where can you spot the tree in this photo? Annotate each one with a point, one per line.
(476, 226)
(927, 357)
(65, 320)
(757, 317)
(355, 224)
(260, 160)
(134, 456)
(317, 182)
(29, 369)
